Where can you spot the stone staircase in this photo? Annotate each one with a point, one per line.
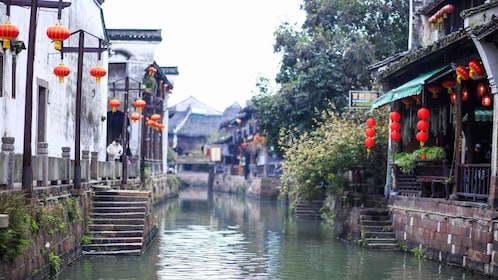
(377, 230)
(120, 223)
(305, 209)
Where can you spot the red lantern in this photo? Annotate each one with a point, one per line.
(371, 122)
(447, 9)
(476, 70)
(61, 71)
(422, 136)
(370, 132)
(395, 126)
(369, 142)
(243, 145)
(449, 85)
(486, 100)
(262, 139)
(422, 125)
(465, 94)
(8, 32)
(98, 72)
(395, 135)
(453, 98)
(423, 113)
(394, 116)
(114, 104)
(435, 90)
(462, 74)
(155, 117)
(151, 70)
(417, 98)
(58, 33)
(407, 101)
(139, 104)
(481, 89)
(134, 117)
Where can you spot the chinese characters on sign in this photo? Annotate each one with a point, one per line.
(362, 99)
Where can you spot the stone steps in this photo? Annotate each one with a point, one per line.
(377, 229)
(117, 223)
(305, 209)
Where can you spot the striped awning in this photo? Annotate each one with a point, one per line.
(481, 115)
(410, 88)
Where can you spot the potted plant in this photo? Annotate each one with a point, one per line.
(407, 161)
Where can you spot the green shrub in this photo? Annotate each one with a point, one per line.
(14, 239)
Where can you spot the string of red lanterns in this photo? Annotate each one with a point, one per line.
(423, 126)
(370, 133)
(395, 126)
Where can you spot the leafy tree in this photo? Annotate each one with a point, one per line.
(326, 58)
(314, 162)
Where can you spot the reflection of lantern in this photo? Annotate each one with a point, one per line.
(423, 113)
(465, 94)
(417, 98)
(370, 132)
(422, 136)
(395, 126)
(422, 125)
(435, 90)
(486, 100)
(8, 32)
(395, 135)
(155, 117)
(481, 89)
(58, 33)
(449, 85)
(139, 104)
(462, 74)
(98, 72)
(114, 104)
(371, 122)
(61, 71)
(394, 116)
(407, 101)
(134, 117)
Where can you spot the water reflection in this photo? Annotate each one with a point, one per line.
(219, 236)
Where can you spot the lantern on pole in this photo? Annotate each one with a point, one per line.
(114, 104)
(134, 117)
(61, 71)
(58, 33)
(98, 72)
(139, 104)
(476, 70)
(155, 117)
(8, 32)
(449, 85)
(486, 100)
(151, 70)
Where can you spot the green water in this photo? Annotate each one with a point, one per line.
(220, 236)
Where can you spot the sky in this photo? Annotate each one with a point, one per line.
(220, 47)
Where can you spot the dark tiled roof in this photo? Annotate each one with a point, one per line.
(478, 9)
(134, 34)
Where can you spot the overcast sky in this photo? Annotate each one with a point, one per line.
(219, 46)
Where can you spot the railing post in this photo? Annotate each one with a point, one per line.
(8, 148)
(94, 166)
(42, 151)
(85, 172)
(66, 156)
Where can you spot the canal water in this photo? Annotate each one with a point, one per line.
(221, 236)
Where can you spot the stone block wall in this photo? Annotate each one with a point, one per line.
(456, 232)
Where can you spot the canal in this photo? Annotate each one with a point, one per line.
(221, 236)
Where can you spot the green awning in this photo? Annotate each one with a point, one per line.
(481, 115)
(410, 88)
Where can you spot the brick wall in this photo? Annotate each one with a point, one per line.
(460, 233)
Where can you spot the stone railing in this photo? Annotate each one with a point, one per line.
(55, 171)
